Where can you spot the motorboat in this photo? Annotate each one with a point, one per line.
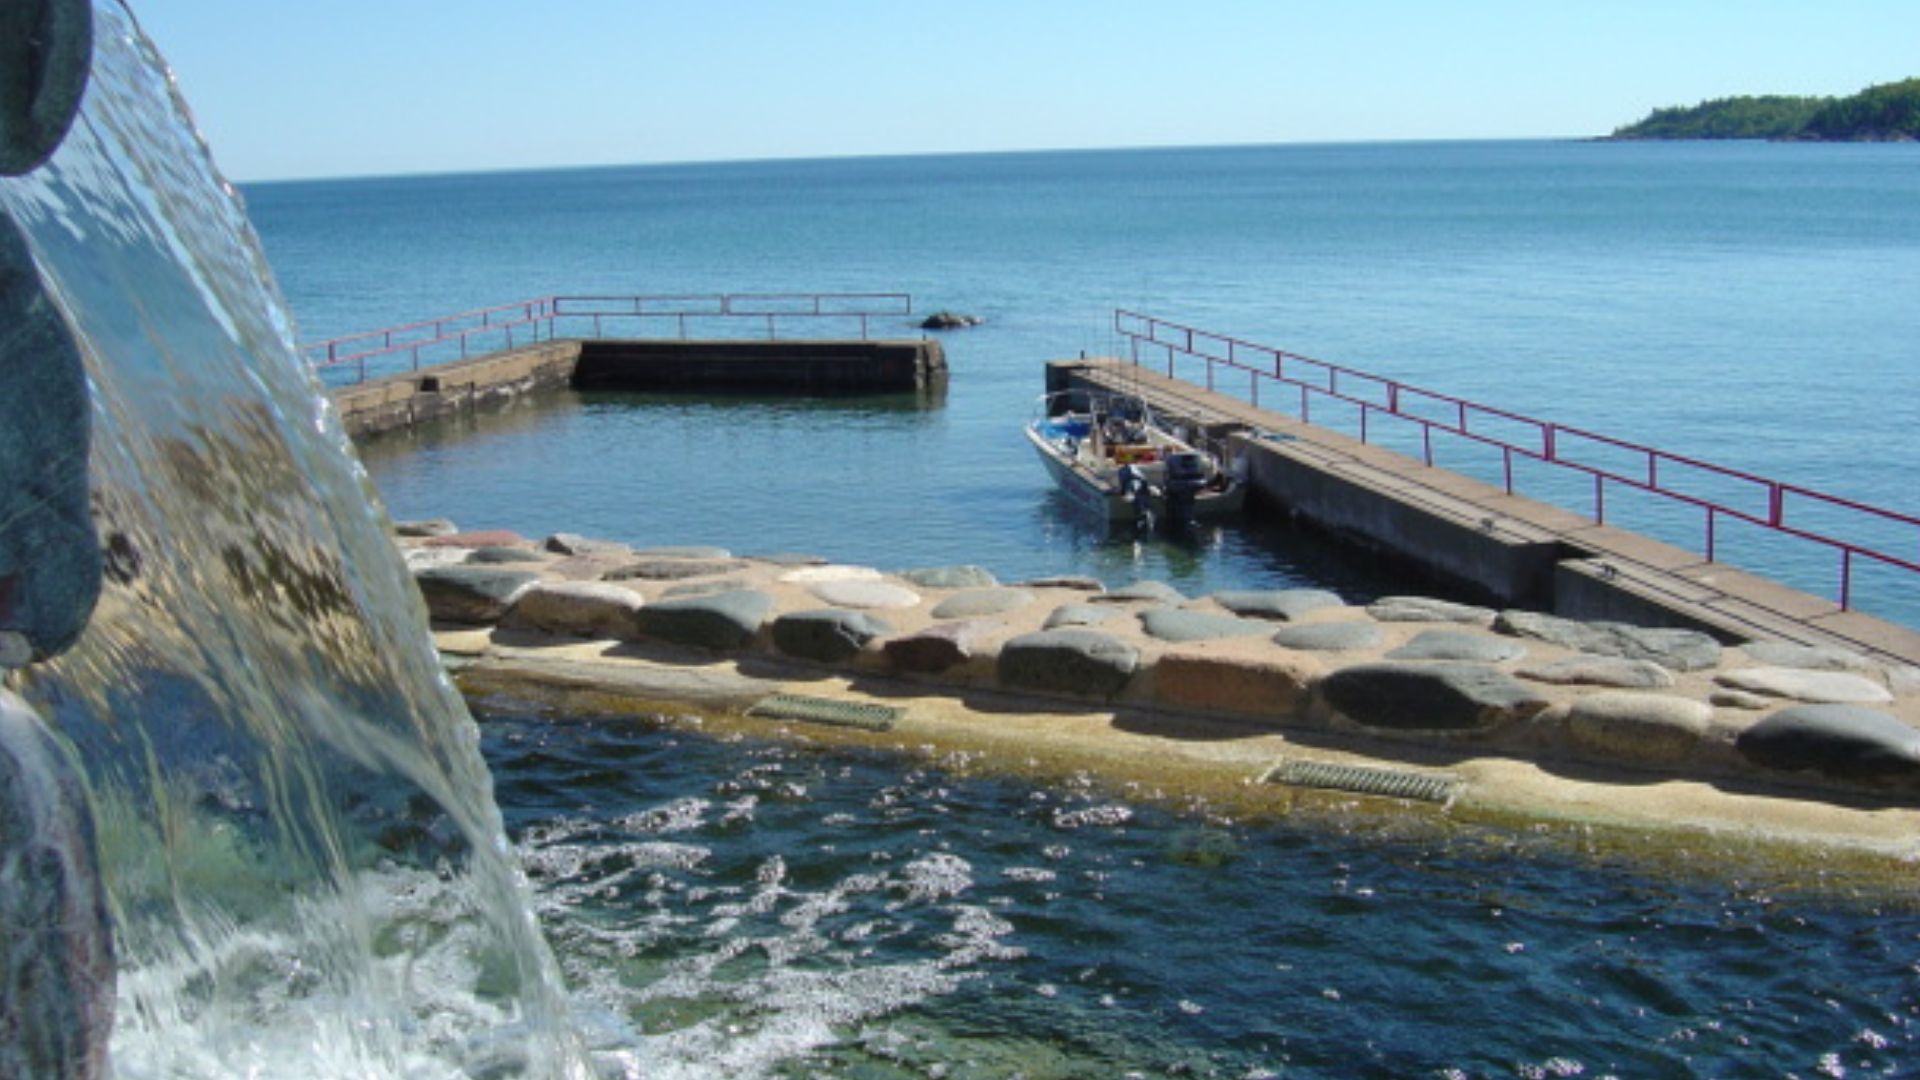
(1111, 454)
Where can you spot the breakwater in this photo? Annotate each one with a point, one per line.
(1278, 686)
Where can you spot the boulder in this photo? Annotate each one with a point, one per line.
(1788, 654)
(704, 588)
(1230, 679)
(814, 573)
(1583, 669)
(1147, 592)
(674, 568)
(1076, 582)
(1652, 729)
(935, 649)
(1077, 615)
(422, 558)
(427, 527)
(829, 635)
(486, 538)
(575, 544)
(1179, 624)
(719, 621)
(865, 594)
(950, 577)
(975, 603)
(1740, 699)
(949, 320)
(1085, 663)
(506, 556)
(1284, 605)
(1350, 636)
(1678, 650)
(1442, 696)
(683, 551)
(580, 608)
(1817, 687)
(1840, 741)
(1470, 645)
(1418, 609)
(471, 594)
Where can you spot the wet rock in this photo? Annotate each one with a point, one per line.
(935, 649)
(1150, 592)
(1818, 687)
(865, 594)
(1654, 729)
(1329, 636)
(1466, 645)
(1086, 663)
(1179, 624)
(828, 635)
(1418, 609)
(1078, 615)
(1442, 696)
(674, 569)
(426, 527)
(575, 544)
(485, 538)
(975, 603)
(1239, 681)
(580, 608)
(719, 621)
(950, 577)
(949, 320)
(1284, 605)
(1678, 650)
(1841, 741)
(1586, 670)
(506, 556)
(1787, 654)
(471, 594)
(1075, 582)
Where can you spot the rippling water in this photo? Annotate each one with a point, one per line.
(760, 908)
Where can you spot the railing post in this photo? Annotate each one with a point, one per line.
(1426, 443)
(1506, 454)
(770, 334)
(1711, 518)
(1209, 374)
(682, 317)
(1253, 385)
(1363, 422)
(1776, 504)
(1599, 499)
(1846, 579)
(1550, 454)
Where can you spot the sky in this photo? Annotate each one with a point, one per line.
(380, 87)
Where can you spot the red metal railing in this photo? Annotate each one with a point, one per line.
(1776, 506)
(503, 326)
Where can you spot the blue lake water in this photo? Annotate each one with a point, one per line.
(758, 909)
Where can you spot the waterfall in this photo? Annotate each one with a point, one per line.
(304, 869)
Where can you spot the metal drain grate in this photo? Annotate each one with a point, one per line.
(1365, 780)
(826, 711)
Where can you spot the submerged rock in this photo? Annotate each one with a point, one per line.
(471, 594)
(720, 621)
(1441, 696)
(828, 635)
(949, 320)
(1072, 661)
(1841, 741)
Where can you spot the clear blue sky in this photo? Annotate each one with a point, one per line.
(370, 87)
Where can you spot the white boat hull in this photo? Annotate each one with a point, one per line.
(1095, 485)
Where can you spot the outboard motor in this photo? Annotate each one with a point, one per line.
(1139, 494)
(1187, 474)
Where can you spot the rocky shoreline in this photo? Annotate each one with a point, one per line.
(1408, 678)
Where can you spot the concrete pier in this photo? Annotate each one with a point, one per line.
(804, 367)
(1511, 549)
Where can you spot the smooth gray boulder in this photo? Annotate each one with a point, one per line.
(425, 527)
(1583, 669)
(674, 568)
(975, 603)
(683, 551)
(506, 556)
(1084, 663)
(1679, 650)
(1814, 687)
(935, 649)
(865, 594)
(1418, 609)
(1841, 741)
(1469, 645)
(1350, 636)
(1740, 699)
(574, 544)
(950, 577)
(1077, 615)
(828, 635)
(1151, 592)
(719, 621)
(1179, 624)
(704, 588)
(476, 595)
(580, 608)
(1653, 729)
(1442, 696)
(1283, 605)
(1787, 654)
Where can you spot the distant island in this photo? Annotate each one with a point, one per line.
(1889, 112)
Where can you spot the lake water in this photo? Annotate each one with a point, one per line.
(759, 909)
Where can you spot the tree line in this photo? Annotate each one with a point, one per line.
(1887, 112)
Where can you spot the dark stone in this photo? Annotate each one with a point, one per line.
(950, 577)
(718, 621)
(949, 320)
(1468, 645)
(674, 569)
(429, 527)
(582, 608)
(1284, 605)
(704, 588)
(479, 539)
(933, 650)
(1329, 636)
(1072, 661)
(977, 602)
(1075, 582)
(1179, 624)
(503, 556)
(1679, 650)
(575, 544)
(828, 635)
(471, 594)
(1149, 592)
(1840, 741)
(1444, 696)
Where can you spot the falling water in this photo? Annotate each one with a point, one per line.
(304, 866)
